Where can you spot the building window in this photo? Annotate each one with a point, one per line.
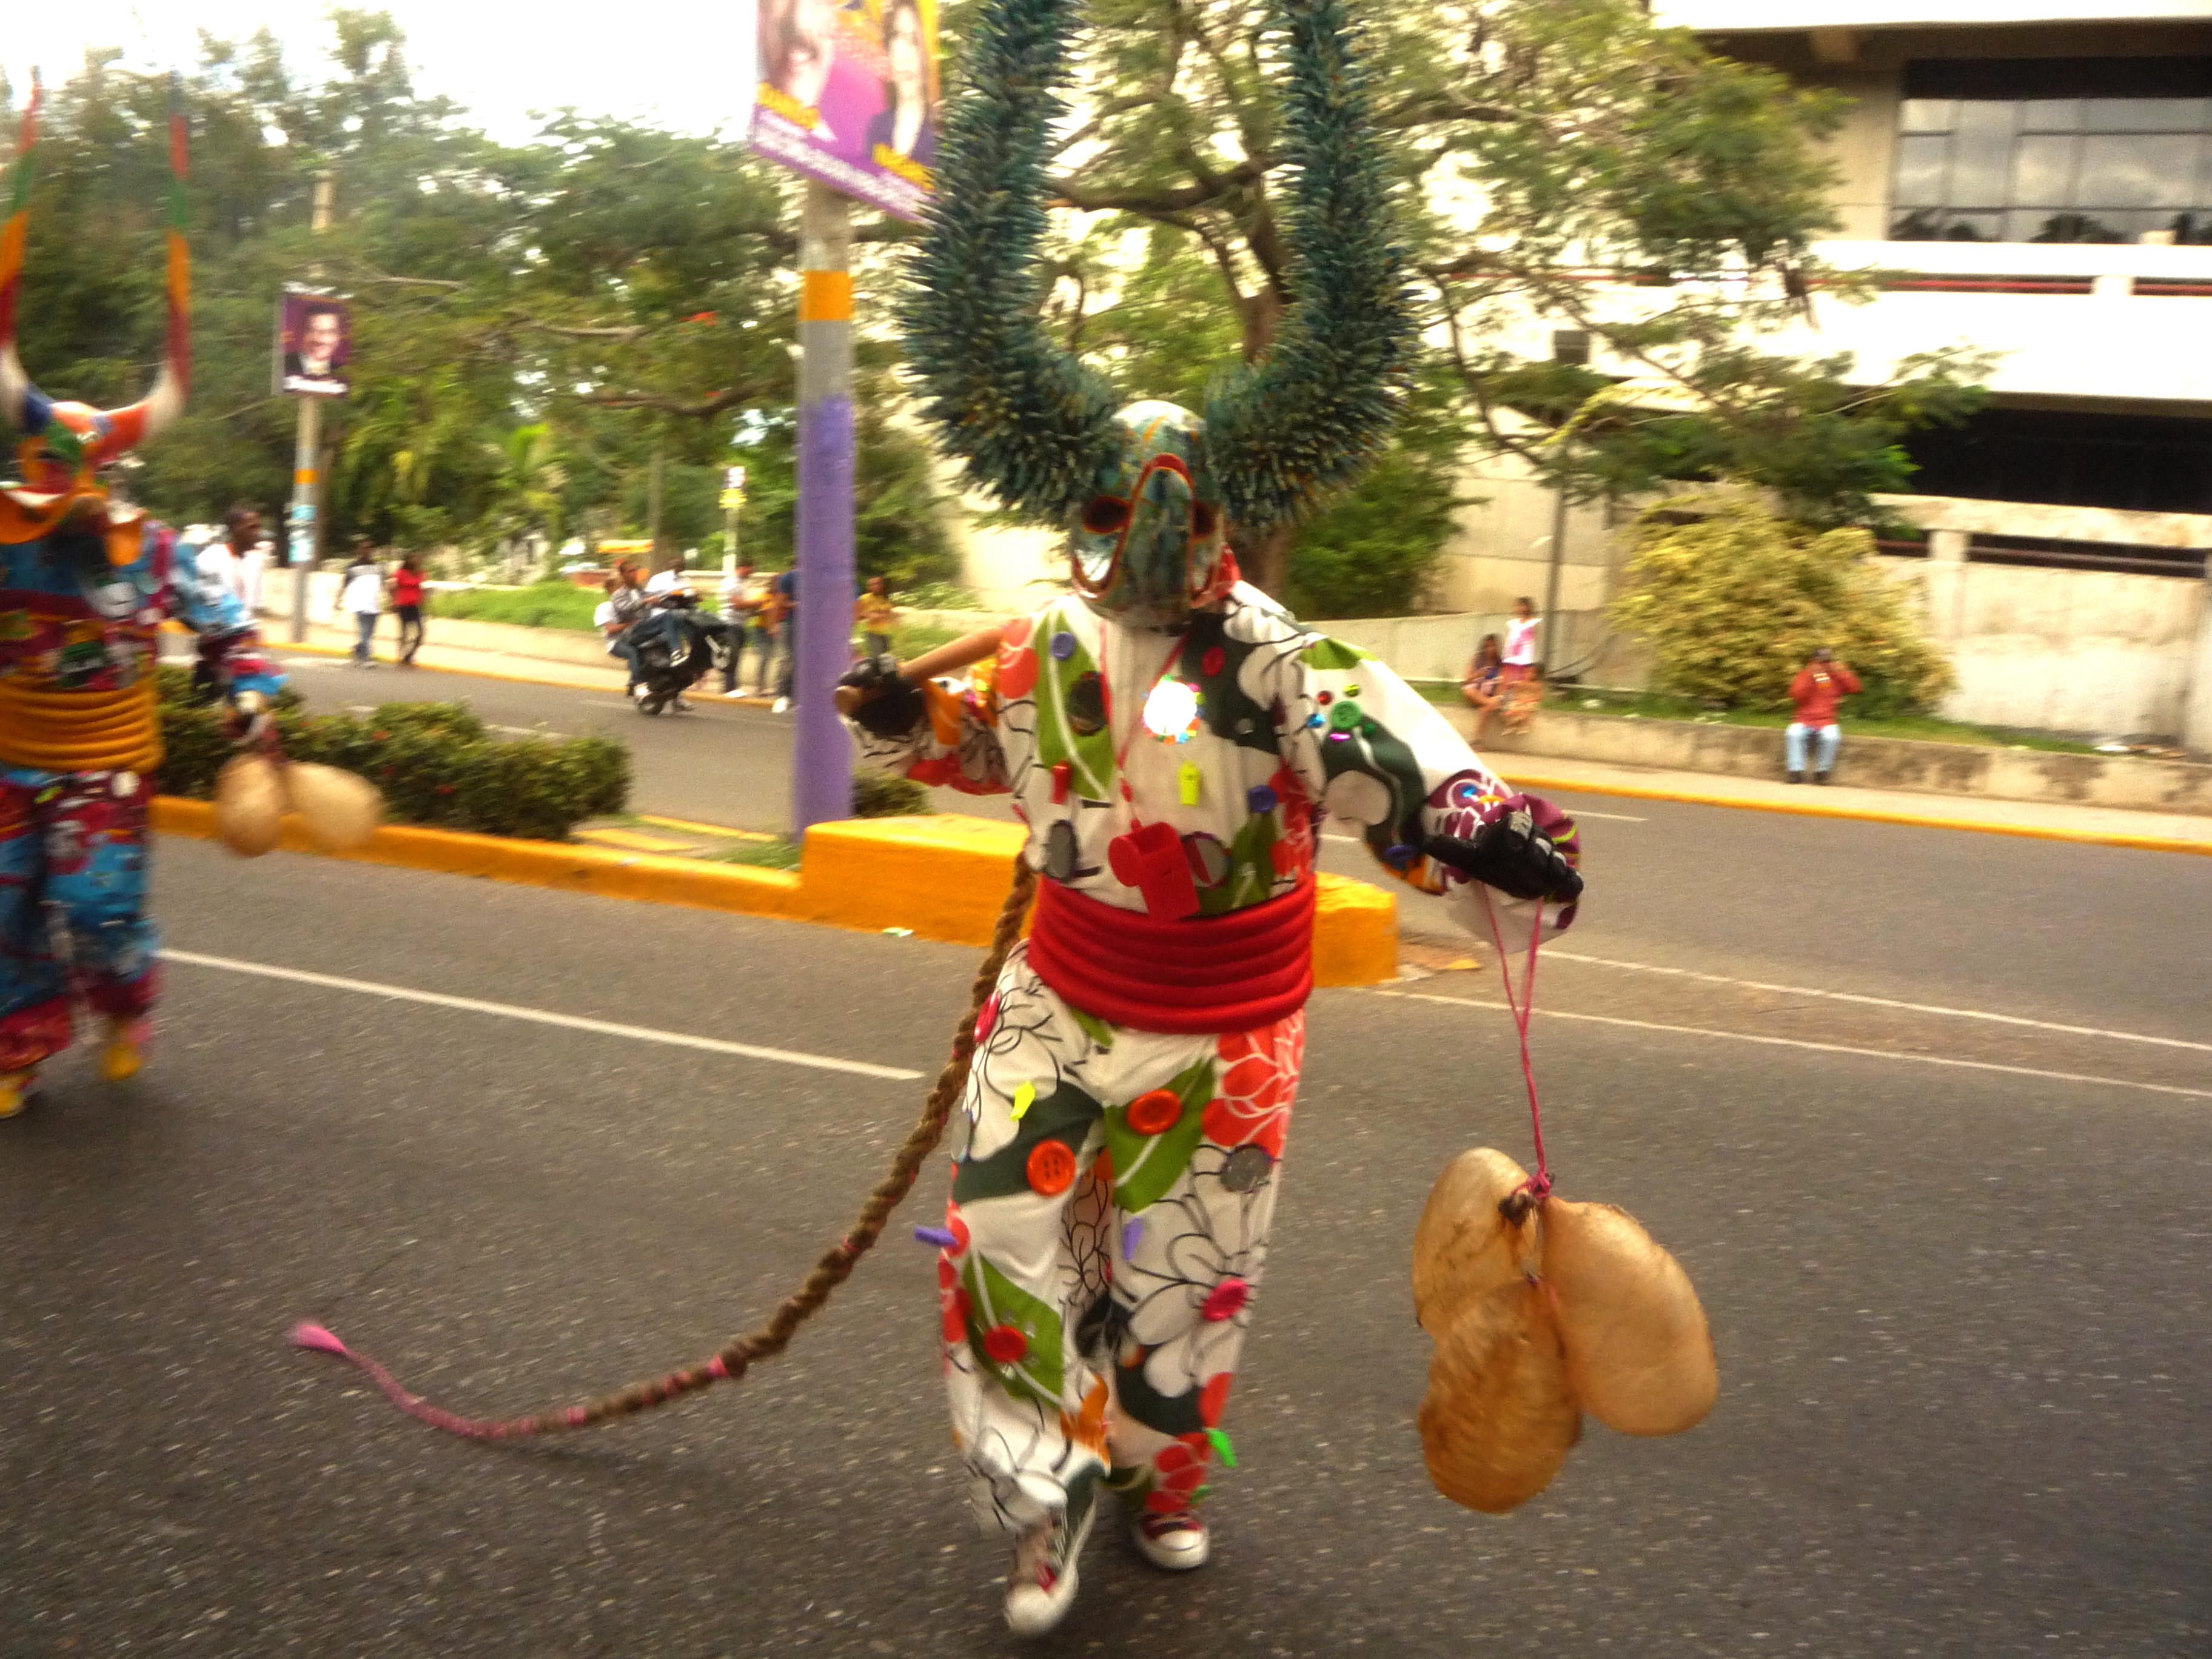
(2060, 149)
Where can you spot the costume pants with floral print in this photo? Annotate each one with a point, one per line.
(72, 844)
(1109, 1219)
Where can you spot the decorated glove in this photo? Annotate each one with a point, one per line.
(1514, 856)
(891, 705)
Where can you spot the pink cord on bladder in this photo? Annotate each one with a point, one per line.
(1540, 1182)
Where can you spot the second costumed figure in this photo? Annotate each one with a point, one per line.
(1173, 739)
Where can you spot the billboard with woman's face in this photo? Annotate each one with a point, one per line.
(849, 94)
(314, 344)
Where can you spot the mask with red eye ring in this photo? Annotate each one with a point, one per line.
(1146, 549)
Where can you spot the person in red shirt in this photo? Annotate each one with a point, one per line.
(407, 601)
(1816, 688)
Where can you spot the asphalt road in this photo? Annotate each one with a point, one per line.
(1959, 1308)
(2089, 935)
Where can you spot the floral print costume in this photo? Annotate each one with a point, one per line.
(1112, 1202)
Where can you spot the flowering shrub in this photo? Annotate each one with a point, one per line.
(1735, 600)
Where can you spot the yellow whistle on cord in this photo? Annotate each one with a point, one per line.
(1187, 783)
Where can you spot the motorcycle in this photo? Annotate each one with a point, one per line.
(675, 646)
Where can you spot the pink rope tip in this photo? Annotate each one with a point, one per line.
(308, 1335)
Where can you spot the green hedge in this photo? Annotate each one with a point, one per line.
(432, 761)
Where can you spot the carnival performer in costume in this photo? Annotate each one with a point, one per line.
(84, 584)
(1173, 739)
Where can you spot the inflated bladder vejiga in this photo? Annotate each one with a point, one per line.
(249, 805)
(1543, 1310)
(1639, 1354)
(340, 810)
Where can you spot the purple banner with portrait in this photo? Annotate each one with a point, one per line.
(314, 344)
(849, 94)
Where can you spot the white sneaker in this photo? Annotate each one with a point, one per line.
(781, 705)
(1041, 1588)
(1174, 1543)
(739, 692)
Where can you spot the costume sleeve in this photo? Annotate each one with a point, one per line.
(1848, 681)
(231, 658)
(955, 742)
(1802, 687)
(1373, 751)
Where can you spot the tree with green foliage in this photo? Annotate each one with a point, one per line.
(1661, 202)
(532, 324)
(1733, 600)
(1541, 143)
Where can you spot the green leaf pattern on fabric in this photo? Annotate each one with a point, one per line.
(1145, 1166)
(993, 1299)
(1251, 874)
(1090, 755)
(1066, 1114)
(1095, 1028)
(1329, 653)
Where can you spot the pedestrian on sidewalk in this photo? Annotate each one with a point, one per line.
(1484, 685)
(785, 588)
(1520, 689)
(407, 603)
(1818, 684)
(877, 616)
(360, 596)
(742, 597)
(252, 566)
(220, 565)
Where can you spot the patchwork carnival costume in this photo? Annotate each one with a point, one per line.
(85, 583)
(1173, 739)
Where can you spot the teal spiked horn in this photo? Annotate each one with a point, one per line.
(1035, 426)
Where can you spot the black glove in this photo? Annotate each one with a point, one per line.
(1513, 856)
(891, 705)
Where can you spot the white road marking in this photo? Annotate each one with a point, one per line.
(532, 732)
(544, 1016)
(1552, 953)
(1819, 1047)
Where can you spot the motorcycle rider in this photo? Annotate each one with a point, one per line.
(627, 605)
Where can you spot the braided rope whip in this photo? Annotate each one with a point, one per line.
(737, 1356)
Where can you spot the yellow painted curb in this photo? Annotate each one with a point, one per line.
(1865, 814)
(944, 877)
(535, 863)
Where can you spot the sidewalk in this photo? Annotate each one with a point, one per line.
(2162, 831)
(2113, 826)
(325, 640)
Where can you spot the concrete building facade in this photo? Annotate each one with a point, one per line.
(2035, 181)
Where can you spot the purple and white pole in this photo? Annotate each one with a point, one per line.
(821, 752)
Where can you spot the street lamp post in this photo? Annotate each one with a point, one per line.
(306, 454)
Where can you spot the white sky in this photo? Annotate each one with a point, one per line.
(685, 66)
